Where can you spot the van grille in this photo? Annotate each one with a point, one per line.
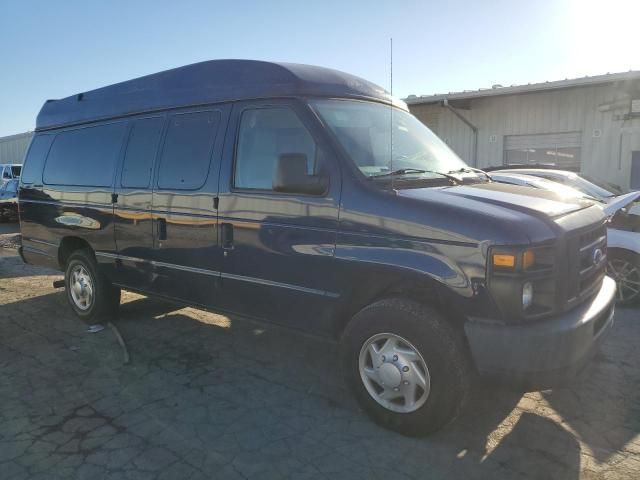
(587, 262)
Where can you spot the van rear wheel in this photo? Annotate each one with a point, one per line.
(406, 366)
(90, 294)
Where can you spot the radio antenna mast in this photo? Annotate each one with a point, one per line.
(391, 114)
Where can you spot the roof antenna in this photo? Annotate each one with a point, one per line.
(391, 116)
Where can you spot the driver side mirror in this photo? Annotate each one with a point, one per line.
(290, 176)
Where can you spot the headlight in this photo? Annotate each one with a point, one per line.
(514, 272)
(527, 295)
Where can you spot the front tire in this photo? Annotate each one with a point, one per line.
(624, 268)
(89, 293)
(407, 367)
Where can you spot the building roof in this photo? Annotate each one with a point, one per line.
(528, 88)
(16, 136)
(201, 83)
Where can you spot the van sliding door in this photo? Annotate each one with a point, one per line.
(132, 203)
(185, 249)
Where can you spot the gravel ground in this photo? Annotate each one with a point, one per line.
(9, 237)
(209, 396)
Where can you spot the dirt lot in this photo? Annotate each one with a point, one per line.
(207, 396)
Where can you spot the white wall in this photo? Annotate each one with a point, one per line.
(14, 147)
(583, 109)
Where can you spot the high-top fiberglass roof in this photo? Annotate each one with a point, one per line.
(208, 82)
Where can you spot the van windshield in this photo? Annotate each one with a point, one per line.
(368, 131)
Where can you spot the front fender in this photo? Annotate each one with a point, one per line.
(397, 261)
(623, 240)
(450, 275)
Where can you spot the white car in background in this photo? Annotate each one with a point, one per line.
(623, 232)
(9, 171)
(598, 190)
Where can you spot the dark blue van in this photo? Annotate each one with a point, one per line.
(310, 198)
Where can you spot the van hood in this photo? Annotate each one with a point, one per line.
(540, 203)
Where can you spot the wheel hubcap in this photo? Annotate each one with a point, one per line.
(394, 373)
(389, 375)
(627, 277)
(81, 287)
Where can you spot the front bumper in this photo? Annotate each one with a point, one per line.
(545, 353)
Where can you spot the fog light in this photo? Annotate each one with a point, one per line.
(527, 295)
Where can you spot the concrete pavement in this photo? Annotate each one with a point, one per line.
(208, 396)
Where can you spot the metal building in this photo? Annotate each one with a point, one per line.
(14, 147)
(590, 124)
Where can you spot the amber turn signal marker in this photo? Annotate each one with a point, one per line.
(528, 259)
(504, 260)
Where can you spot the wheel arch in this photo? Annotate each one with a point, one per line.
(422, 289)
(622, 252)
(68, 245)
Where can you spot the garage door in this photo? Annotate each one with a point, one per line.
(559, 149)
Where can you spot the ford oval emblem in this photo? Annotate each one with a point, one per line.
(597, 256)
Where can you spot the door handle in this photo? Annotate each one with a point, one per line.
(226, 233)
(162, 228)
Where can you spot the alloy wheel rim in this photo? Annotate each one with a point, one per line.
(627, 277)
(394, 373)
(81, 287)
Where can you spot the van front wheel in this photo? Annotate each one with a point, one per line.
(407, 367)
(90, 294)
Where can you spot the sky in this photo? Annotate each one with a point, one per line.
(56, 48)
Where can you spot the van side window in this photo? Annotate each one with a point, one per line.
(141, 152)
(32, 172)
(266, 133)
(187, 150)
(85, 157)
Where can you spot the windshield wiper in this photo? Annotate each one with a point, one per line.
(407, 171)
(472, 170)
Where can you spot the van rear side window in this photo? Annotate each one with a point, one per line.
(32, 172)
(85, 157)
(185, 160)
(141, 152)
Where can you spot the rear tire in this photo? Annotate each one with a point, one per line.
(89, 293)
(426, 348)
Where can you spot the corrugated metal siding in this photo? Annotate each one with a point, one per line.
(427, 115)
(582, 110)
(14, 147)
